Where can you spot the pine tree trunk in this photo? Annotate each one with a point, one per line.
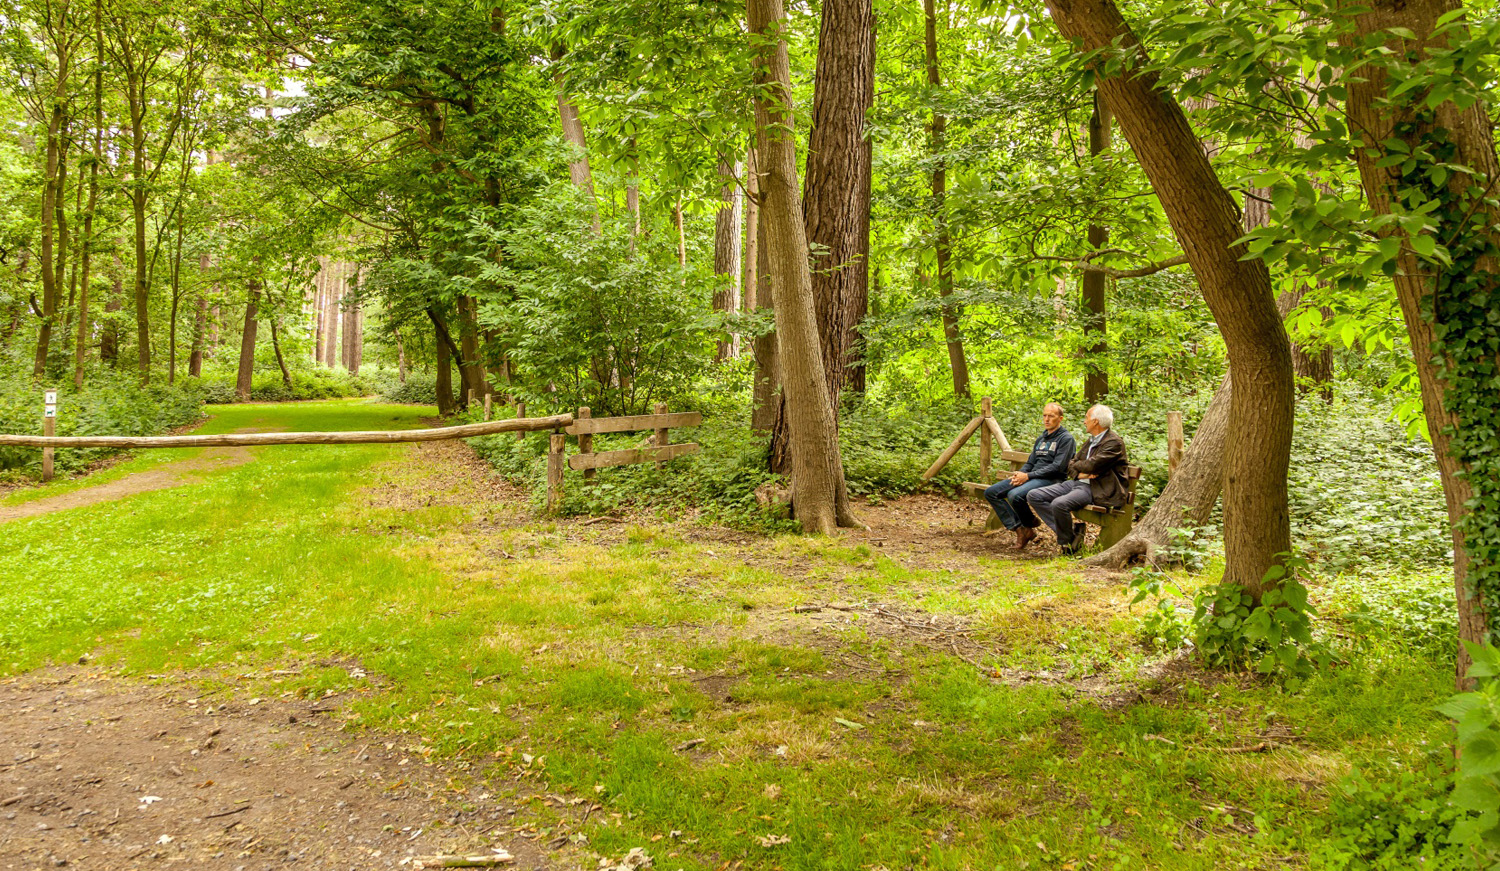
(938, 145)
(332, 314)
(1206, 222)
(1390, 118)
(244, 377)
(1094, 283)
(819, 499)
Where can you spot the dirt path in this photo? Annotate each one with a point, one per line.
(168, 476)
(106, 774)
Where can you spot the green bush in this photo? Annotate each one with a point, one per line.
(311, 383)
(111, 403)
(1392, 816)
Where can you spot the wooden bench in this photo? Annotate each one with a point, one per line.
(1114, 523)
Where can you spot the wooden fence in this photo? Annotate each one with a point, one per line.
(585, 426)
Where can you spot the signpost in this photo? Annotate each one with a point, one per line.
(49, 428)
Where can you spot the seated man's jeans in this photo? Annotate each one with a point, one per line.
(1056, 503)
(1010, 502)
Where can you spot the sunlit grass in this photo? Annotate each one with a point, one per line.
(604, 655)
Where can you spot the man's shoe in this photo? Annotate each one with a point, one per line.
(1024, 535)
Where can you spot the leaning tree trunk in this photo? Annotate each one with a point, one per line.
(286, 376)
(1457, 301)
(572, 128)
(819, 498)
(1189, 497)
(1206, 221)
(937, 144)
(245, 376)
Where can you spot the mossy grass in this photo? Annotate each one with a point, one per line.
(589, 658)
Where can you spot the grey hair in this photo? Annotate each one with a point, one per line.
(1103, 416)
(1055, 405)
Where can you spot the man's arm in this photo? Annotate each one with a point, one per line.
(1107, 455)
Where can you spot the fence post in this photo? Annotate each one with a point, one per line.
(489, 400)
(586, 441)
(520, 413)
(985, 439)
(662, 438)
(555, 473)
(49, 428)
(1174, 441)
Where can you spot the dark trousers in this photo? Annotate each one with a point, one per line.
(1010, 502)
(1055, 505)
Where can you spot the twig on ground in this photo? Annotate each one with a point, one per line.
(231, 811)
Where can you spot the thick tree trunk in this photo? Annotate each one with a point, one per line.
(727, 254)
(332, 312)
(766, 386)
(937, 145)
(1094, 283)
(468, 328)
(819, 499)
(1464, 137)
(1206, 222)
(244, 376)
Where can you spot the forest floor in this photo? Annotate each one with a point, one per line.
(354, 657)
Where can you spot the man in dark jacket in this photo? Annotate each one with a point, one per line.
(1047, 464)
(1098, 478)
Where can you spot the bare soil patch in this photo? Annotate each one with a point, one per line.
(108, 774)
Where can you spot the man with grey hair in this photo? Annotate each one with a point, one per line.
(1097, 476)
(1047, 464)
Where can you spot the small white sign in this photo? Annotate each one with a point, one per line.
(51, 411)
(50, 397)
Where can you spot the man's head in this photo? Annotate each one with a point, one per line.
(1052, 416)
(1099, 419)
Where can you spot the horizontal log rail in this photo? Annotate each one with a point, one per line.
(257, 439)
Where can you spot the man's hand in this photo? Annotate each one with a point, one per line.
(1019, 478)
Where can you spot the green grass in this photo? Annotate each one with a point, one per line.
(597, 652)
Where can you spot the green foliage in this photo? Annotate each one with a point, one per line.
(609, 320)
(110, 404)
(1388, 816)
(1163, 628)
(311, 383)
(1232, 630)
(1477, 782)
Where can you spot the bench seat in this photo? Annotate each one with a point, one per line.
(1114, 523)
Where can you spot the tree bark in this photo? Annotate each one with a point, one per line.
(109, 333)
(244, 376)
(766, 386)
(444, 370)
(286, 376)
(819, 498)
(200, 325)
(727, 254)
(1094, 283)
(1206, 221)
(80, 346)
(51, 245)
(937, 144)
(1381, 119)
(572, 127)
(332, 304)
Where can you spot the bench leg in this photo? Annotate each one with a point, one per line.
(1112, 528)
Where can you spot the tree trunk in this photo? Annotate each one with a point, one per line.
(332, 300)
(572, 127)
(819, 499)
(80, 346)
(138, 212)
(1096, 369)
(727, 253)
(937, 144)
(632, 192)
(766, 386)
(200, 325)
(286, 376)
(176, 301)
(1206, 222)
(400, 356)
(50, 244)
(468, 330)
(444, 370)
(245, 375)
(1457, 301)
(109, 334)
